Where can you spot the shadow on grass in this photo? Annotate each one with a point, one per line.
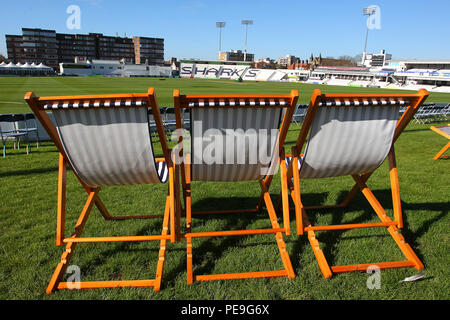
(28, 172)
(211, 250)
(208, 252)
(205, 255)
(331, 239)
(148, 229)
(424, 129)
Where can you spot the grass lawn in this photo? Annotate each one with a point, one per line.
(28, 254)
(12, 90)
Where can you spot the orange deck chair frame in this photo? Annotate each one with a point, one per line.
(355, 104)
(445, 132)
(227, 105)
(132, 107)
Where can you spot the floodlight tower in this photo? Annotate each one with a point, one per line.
(246, 23)
(367, 12)
(220, 25)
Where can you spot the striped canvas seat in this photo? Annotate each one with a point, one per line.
(349, 137)
(352, 134)
(255, 123)
(238, 158)
(106, 141)
(345, 140)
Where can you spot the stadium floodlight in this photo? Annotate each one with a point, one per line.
(220, 25)
(367, 12)
(246, 23)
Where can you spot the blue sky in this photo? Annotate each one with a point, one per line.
(409, 29)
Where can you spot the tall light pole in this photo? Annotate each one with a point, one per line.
(220, 25)
(367, 12)
(246, 23)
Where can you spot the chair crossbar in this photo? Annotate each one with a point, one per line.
(380, 265)
(242, 275)
(108, 284)
(351, 226)
(237, 103)
(96, 104)
(117, 239)
(233, 233)
(360, 102)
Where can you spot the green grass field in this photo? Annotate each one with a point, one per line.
(12, 90)
(28, 254)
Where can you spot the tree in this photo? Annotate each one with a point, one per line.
(3, 58)
(358, 58)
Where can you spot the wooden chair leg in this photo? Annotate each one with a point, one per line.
(61, 209)
(288, 270)
(285, 195)
(67, 255)
(395, 188)
(298, 205)
(162, 247)
(279, 236)
(190, 273)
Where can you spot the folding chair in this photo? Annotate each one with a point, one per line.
(169, 120)
(352, 134)
(445, 132)
(236, 116)
(27, 123)
(299, 114)
(9, 131)
(105, 140)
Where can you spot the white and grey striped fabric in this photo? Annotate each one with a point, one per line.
(109, 146)
(95, 104)
(237, 102)
(348, 140)
(227, 143)
(445, 129)
(361, 102)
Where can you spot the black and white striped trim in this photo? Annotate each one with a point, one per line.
(289, 159)
(163, 171)
(100, 104)
(238, 102)
(360, 102)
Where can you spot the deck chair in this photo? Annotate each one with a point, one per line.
(9, 131)
(26, 123)
(105, 140)
(237, 113)
(445, 132)
(352, 134)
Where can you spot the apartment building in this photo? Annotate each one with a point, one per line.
(150, 49)
(51, 48)
(34, 45)
(236, 55)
